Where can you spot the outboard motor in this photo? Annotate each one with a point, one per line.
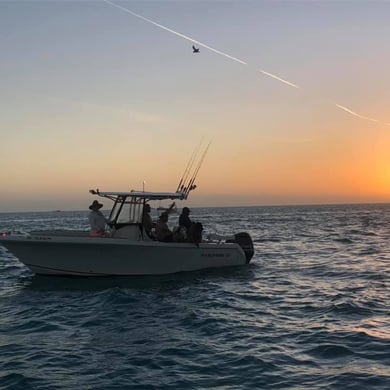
(245, 241)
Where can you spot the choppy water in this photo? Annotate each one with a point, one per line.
(311, 311)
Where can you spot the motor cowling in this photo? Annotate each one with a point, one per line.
(245, 241)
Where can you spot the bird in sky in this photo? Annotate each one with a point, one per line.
(195, 49)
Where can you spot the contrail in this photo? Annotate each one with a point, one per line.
(197, 42)
(355, 113)
(175, 32)
(278, 78)
(345, 109)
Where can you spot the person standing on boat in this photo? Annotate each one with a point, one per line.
(147, 222)
(163, 233)
(97, 220)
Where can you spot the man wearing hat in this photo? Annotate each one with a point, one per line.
(184, 219)
(97, 220)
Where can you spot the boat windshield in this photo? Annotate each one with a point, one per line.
(127, 210)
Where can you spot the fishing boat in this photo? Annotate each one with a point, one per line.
(126, 248)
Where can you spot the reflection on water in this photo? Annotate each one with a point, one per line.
(378, 327)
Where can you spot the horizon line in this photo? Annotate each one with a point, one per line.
(222, 207)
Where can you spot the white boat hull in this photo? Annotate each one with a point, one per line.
(87, 256)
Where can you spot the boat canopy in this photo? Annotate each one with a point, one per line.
(128, 206)
(140, 194)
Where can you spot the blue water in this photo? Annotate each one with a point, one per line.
(311, 310)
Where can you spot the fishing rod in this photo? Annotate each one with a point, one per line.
(194, 159)
(188, 168)
(191, 186)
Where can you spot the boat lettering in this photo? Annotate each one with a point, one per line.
(215, 255)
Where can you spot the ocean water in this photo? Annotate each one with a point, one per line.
(311, 310)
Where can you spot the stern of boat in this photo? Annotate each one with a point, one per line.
(244, 240)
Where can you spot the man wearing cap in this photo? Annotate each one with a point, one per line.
(184, 219)
(96, 220)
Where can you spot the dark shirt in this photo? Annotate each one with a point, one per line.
(184, 220)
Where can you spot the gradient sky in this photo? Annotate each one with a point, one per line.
(94, 97)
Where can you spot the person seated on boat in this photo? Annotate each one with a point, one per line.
(97, 220)
(147, 222)
(163, 233)
(180, 233)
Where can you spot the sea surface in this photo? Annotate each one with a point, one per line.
(311, 310)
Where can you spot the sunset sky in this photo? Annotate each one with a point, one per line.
(93, 96)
